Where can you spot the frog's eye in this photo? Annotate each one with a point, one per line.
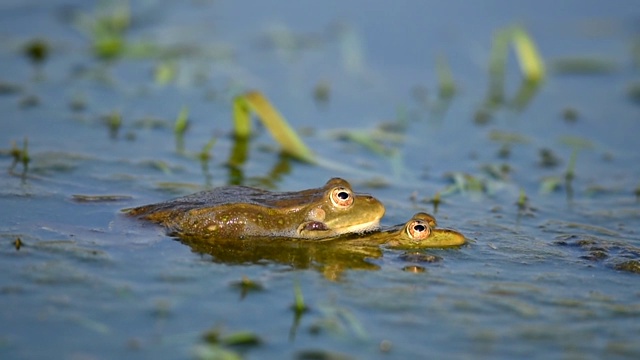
(418, 230)
(341, 197)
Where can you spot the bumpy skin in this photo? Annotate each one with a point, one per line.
(241, 211)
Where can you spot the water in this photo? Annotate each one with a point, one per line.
(86, 283)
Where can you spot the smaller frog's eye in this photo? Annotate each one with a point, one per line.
(418, 230)
(341, 197)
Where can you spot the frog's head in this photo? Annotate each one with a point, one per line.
(340, 211)
(420, 231)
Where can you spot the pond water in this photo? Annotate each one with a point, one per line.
(552, 276)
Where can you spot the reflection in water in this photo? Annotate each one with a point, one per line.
(327, 257)
(526, 92)
(238, 157)
(333, 255)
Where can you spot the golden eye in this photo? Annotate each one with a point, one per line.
(418, 230)
(341, 197)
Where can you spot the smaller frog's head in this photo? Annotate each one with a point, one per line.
(420, 231)
(341, 211)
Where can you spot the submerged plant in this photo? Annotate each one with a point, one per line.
(180, 127)
(114, 123)
(20, 156)
(446, 85)
(107, 28)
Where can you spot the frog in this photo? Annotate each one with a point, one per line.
(419, 232)
(332, 256)
(241, 212)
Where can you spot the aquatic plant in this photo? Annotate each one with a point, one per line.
(531, 66)
(255, 102)
(180, 127)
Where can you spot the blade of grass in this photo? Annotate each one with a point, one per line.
(530, 61)
(279, 128)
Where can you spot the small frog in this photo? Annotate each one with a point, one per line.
(419, 232)
(241, 212)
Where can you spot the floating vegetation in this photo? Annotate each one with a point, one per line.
(497, 172)
(107, 29)
(285, 136)
(99, 198)
(576, 142)
(240, 338)
(548, 159)
(20, 156)
(165, 72)
(507, 137)
(152, 123)
(36, 50)
(570, 114)
(246, 286)
(215, 352)
(114, 123)
(462, 183)
(78, 103)
(220, 346)
(507, 140)
(322, 92)
(550, 184)
(584, 65)
(524, 206)
(632, 266)
(17, 243)
(618, 255)
(482, 116)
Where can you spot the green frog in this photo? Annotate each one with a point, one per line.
(241, 212)
(334, 255)
(419, 232)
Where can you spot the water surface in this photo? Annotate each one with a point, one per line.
(541, 281)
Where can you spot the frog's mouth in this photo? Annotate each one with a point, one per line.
(319, 229)
(359, 228)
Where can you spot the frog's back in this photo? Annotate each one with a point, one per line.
(228, 195)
